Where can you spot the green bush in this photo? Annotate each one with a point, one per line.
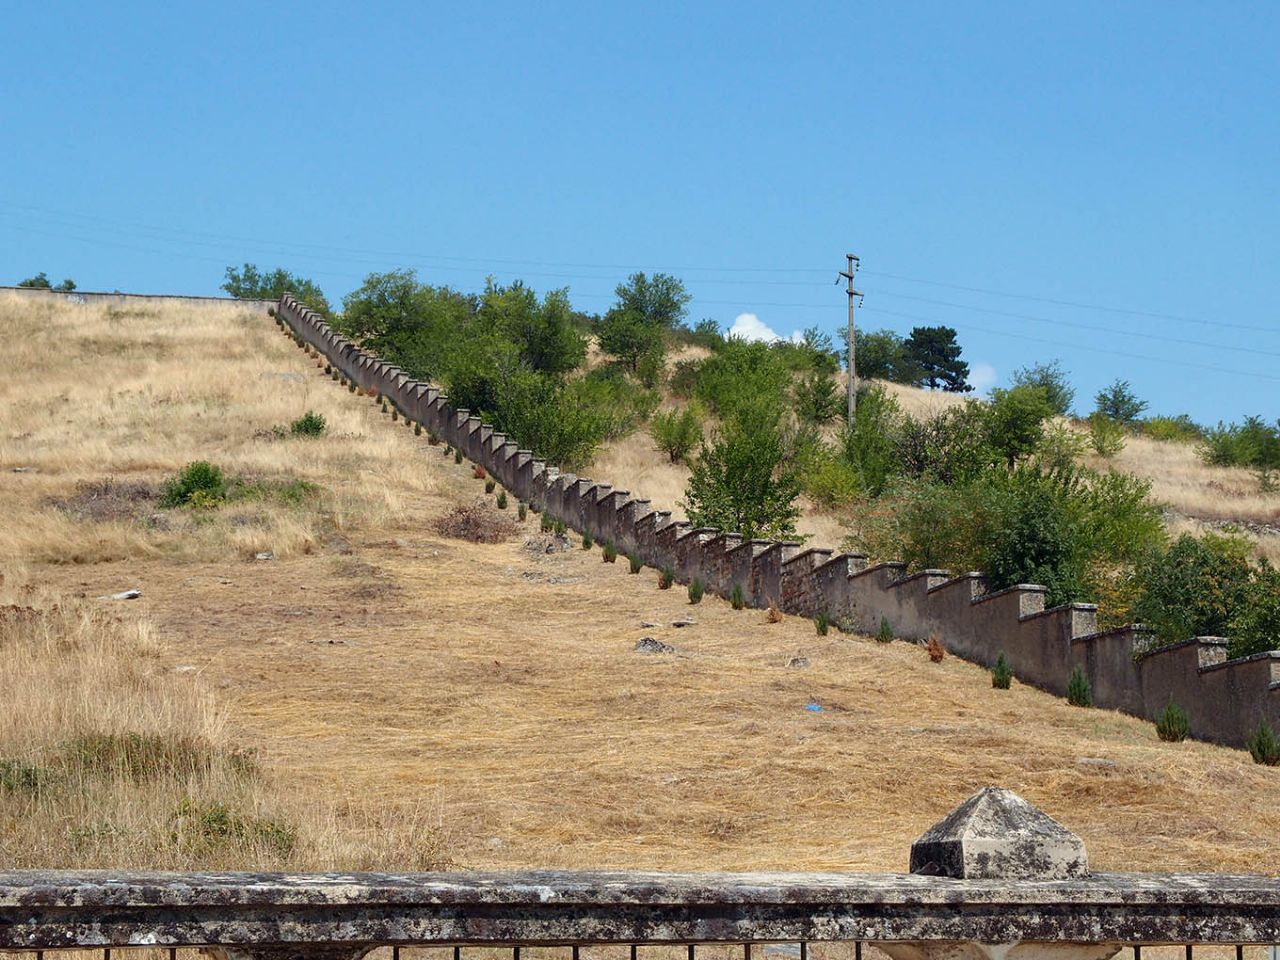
(736, 600)
(817, 399)
(1119, 403)
(1052, 381)
(743, 480)
(610, 552)
(561, 529)
(1106, 436)
(1263, 745)
(635, 564)
(1255, 626)
(1079, 692)
(1173, 725)
(417, 429)
(869, 444)
(742, 374)
(200, 482)
(677, 432)
(696, 590)
(490, 484)
(587, 541)
(829, 480)
(457, 456)
(1179, 429)
(1015, 421)
(546, 524)
(953, 447)
(502, 501)
(885, 633)
(666, 577)
(250, 283)
(1061, 448)
(522, 511)
(1001, 674)
(310, 424)
(1193, 589)
(822, 622)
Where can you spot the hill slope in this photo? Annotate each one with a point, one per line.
(484, 704)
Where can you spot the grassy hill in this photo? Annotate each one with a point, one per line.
(380, 694)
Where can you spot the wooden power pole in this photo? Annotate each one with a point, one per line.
(852, 386)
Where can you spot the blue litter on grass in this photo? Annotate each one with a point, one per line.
(813, 707)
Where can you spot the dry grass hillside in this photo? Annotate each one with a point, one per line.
(381, 694)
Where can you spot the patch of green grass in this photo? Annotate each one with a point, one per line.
(292, 493)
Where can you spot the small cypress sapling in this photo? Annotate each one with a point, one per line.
(1001, 673)
(395, 413)
(489, 485)
(561, 529)
(610, 553)
(587, 541)
(1079, 692)
(666, 577)
(1263, 745)
(522, 510)
(695, 590)
(457, 456)
(636, 564)
(546, 525)
(885, 633)
(1173, 725)
(417, 429)
(822, 622)
(502, 500)
(735, 597)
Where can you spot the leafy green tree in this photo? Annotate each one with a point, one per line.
(645, 310)
(39, 282)
(545, 333)
(1118, 402)
(743, 481)
(1015, 421)
(677, 432)
(250, 283)
(881, 355)
(1052, 379)
(870, 443)
(1193, 589)
(742, 372)
(1255, 627)
(411, 324)
(953, 447)
(936, 354)
(817, 398)
(66, 286)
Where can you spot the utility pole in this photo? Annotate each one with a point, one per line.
(852, 386)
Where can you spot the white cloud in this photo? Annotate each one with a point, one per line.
(982, 377)
(747, 326)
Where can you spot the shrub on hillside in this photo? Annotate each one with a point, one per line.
(1173, 725)
(1179, 429)
(1015, 421)
(1255, 627)
(677, 432)
(1118, 402)
(250, 283)
(310, 424)
(199, 483)
(1001, 674)
(742, 374)
(869, 444)
(1052, 381)
(1060, 448)
(696, 590)
(817, 399)
(743, 481)
(1106, 436)
(954, 447)
(1079, 691)
(1193, 589)
(1264, 746)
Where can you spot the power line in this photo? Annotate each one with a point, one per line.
(1091, 348)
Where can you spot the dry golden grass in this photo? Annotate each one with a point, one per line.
(413, 699)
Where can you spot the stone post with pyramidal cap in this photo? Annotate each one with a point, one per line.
(996, 835)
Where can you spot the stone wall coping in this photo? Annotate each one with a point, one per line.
(1051, 611)
(1265, 655)
(1025, 587)
(25, 889)
(1114, 632)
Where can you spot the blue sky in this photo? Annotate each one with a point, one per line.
(1080, 156)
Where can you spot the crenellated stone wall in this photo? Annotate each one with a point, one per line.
(1225, 700)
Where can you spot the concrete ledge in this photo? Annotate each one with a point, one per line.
(50, 910)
